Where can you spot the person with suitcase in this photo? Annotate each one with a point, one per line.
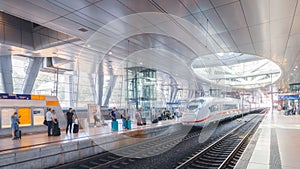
(114, 122)
(55, 126)
(138, 117)
(76, 125)
(16, 132)
(49, 121)
(124, 118)
(70, 118)
(154, 116)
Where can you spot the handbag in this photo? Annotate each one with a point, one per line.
(45, 122)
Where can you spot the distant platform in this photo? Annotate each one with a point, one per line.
(40, 151)
(275, 143)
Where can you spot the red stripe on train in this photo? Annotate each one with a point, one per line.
(198, 121)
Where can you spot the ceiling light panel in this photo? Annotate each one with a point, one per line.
(232, 16)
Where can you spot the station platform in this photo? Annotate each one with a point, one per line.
(41, 151)
(275, 144)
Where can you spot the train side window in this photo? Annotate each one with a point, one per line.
(6, 114)
(230, 106)
(38, 116)
(213, 108)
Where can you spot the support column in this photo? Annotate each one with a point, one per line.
(111, 86)
(174, 94)
(31, 74)
(92, 86)
(100, 84)
(173, 89)
(71, 90)
(6, 69)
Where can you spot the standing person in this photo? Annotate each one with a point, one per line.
(49, 121)
(124, 117)
(138, 117)
(14, 125)
(177, 113)
(76, 126)
(55, 126)
(112, 114)
(153, 113)
(54, 119)
(70, 118)
(96, 119)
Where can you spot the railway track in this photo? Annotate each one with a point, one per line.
(120, 158)
(123, 156)
(225, 152)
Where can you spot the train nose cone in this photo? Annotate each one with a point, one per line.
(188, 118)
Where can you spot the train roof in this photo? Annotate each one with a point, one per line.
(216, 99)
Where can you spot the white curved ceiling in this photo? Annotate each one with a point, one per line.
(270, 29)
(236, 70)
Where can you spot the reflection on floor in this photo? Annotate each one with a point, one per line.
(40, 140)
(278, 142)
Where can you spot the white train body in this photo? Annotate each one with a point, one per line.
(207, 109)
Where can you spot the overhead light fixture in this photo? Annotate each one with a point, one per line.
(109, 53)
(141, 63)
(295, 66)
(220, 54)
(83, 30)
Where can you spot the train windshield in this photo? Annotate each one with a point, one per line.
(195, 104)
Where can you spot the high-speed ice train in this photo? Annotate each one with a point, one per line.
(207, 109)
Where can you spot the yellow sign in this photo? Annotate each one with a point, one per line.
(51, 103)
(38, 97)
(25, 114)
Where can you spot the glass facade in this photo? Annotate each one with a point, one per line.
(78, 89)
(141, 87)
(19, 67)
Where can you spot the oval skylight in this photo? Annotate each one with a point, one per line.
(236, 70)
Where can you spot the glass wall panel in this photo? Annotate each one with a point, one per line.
(38, 116)
(19, 67)
(6, 114)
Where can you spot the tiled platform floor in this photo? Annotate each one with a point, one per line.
(276, 143)
(37, 140)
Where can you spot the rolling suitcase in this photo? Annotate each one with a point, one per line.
(56, 130)
(143, 121)
(114, 125)
(75, 128)
(155, 121)
(128, 124)
(18, 134)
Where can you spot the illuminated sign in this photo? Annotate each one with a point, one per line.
(288, 97)
(15, 96)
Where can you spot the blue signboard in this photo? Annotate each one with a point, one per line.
(15, 96)
(23, 96)
(7, 96)
(288, 97)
